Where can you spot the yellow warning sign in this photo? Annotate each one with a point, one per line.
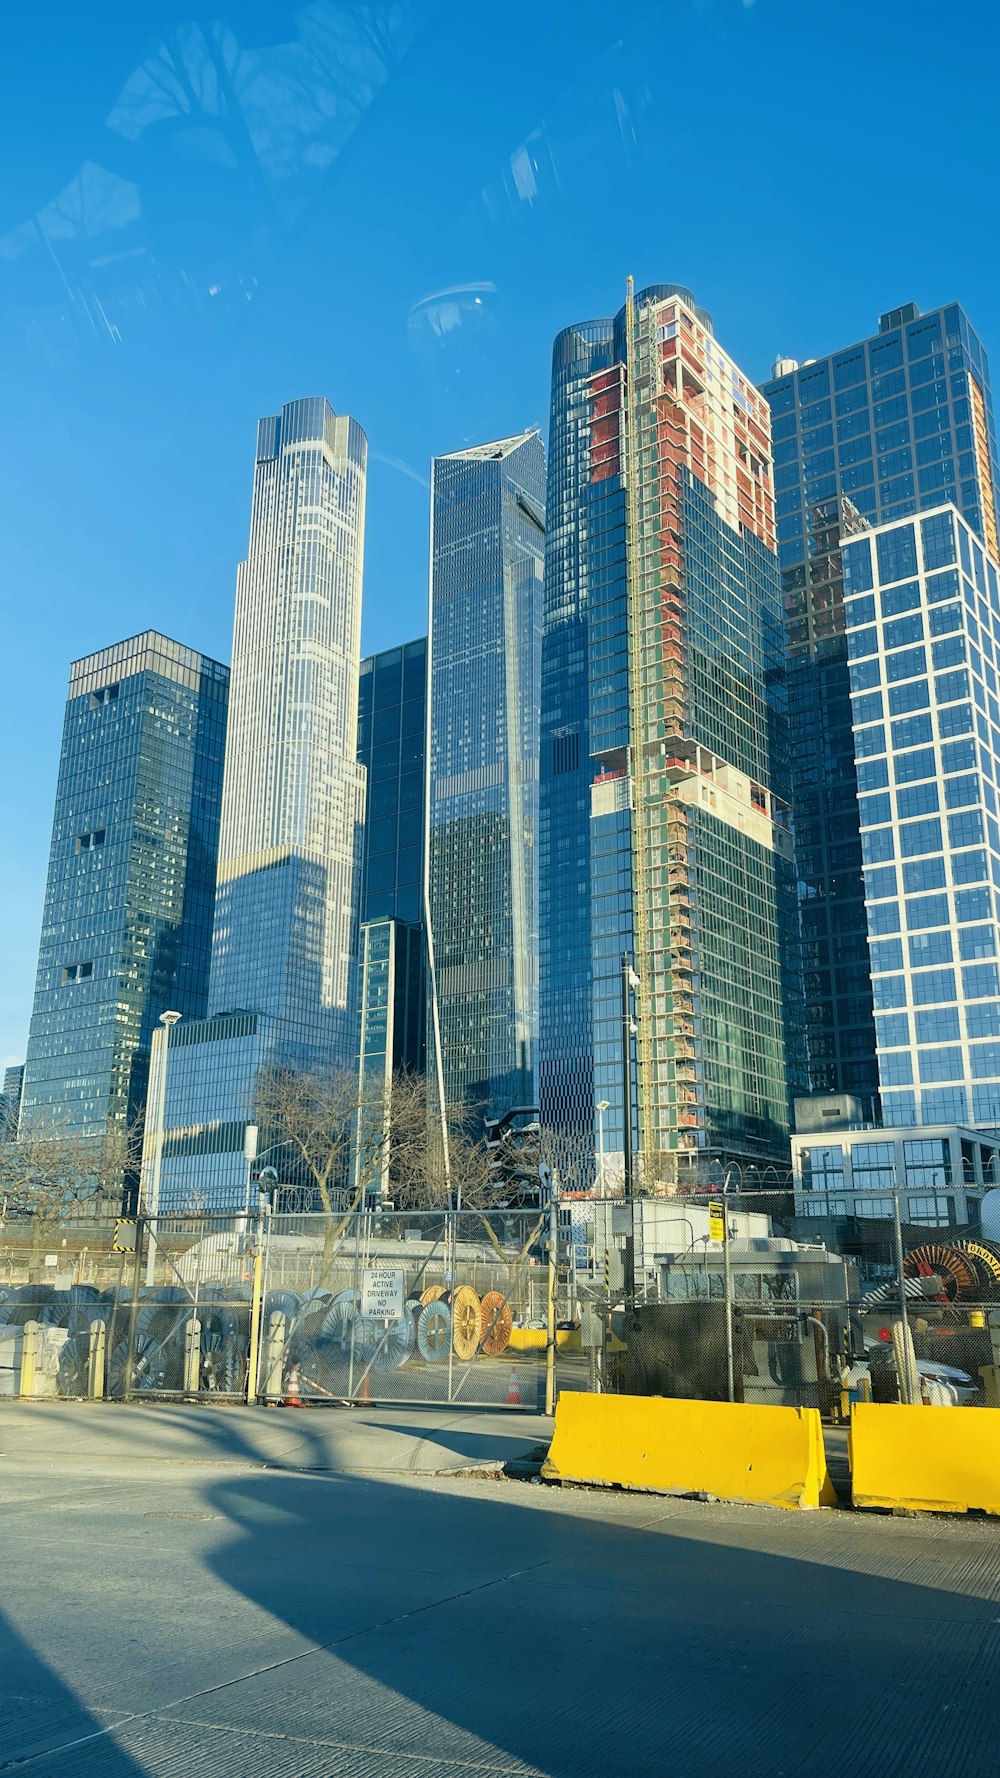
(124, 1241)
(716, 1221)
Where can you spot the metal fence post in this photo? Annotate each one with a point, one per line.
(550, 1315)
(29, 1355)
(253, 1360)
(728, 1287)
(452, 1216)
(906, 1393)
(133, 1311)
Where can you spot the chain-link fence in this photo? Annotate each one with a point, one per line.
(760, 1297)
(428, 1306)
(747, 1296)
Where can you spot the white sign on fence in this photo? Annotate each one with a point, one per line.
(383, 1293)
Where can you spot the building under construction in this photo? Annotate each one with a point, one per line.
(665, 833)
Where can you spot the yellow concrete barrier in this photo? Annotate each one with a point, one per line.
(925, 1459)
(738, 1452)
(535, 1339)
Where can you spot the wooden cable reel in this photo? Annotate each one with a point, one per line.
(956, 1269)
(466, 1322)
(496, 1323)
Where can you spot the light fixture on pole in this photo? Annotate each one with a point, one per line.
(161, 1045)
(250, 1137)
(603, 1105)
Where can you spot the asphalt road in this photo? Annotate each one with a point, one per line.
(177, 1606)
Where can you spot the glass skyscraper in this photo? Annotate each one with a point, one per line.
(127, 926)
(285, 941)
(922, 607)
(664, 790)
(392, 723)
(284, 949)
(890, 426)
(487, 557)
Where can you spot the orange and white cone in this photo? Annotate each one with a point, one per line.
(293, 1398)
(513, 1389)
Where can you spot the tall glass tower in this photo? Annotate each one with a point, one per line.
(487, 557)
(285, 940)
(284, 948)
(392, 724)
(127, 927)
(664, 825)
(890, 426)
(922, 606)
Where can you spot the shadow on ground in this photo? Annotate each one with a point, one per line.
(448, 1628)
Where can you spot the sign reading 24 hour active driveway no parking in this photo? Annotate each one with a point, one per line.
(383, 1292)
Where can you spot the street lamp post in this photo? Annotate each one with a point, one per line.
(630, 982)
(167, 1020)
(603, 1105)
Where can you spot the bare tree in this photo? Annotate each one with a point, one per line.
(53, 1176)
(344, 1138)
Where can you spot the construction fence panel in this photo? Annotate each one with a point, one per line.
(435, 1306)
(736, 1295)
(759, 1297)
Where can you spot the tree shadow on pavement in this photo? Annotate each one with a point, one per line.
(444, 1630)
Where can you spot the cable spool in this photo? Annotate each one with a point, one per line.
(336, 1323)
(395, 1343)
(987, 1257)
(466, 1322)
(955, 1268)
(434, 1331)
(29, 1302)
(283, 1302)
(496, 1322)
(435, 1293)
(153, 1367)
(73, 1376)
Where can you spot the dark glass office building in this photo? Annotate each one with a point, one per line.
(127, 927)
(664, 804)
(392, 723)
(892, 425)
(487, 564)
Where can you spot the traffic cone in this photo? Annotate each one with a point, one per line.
(293, 1399)
(513, 1390)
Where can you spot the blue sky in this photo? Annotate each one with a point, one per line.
(398, 205)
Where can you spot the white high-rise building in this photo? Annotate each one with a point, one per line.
(284, 947)
(293, 791)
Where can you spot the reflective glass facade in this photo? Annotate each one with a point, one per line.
(922, 607)
(285, 941)
(127, 926)
(892, 425)
(392, 723)
(284, 947)
(392, 1022)
(664, 772)
(487, 555)
(212, 1068)
(940, 1174)
(10, 1101)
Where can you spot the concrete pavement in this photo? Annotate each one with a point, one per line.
(183, 1610)
(387, 1439)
